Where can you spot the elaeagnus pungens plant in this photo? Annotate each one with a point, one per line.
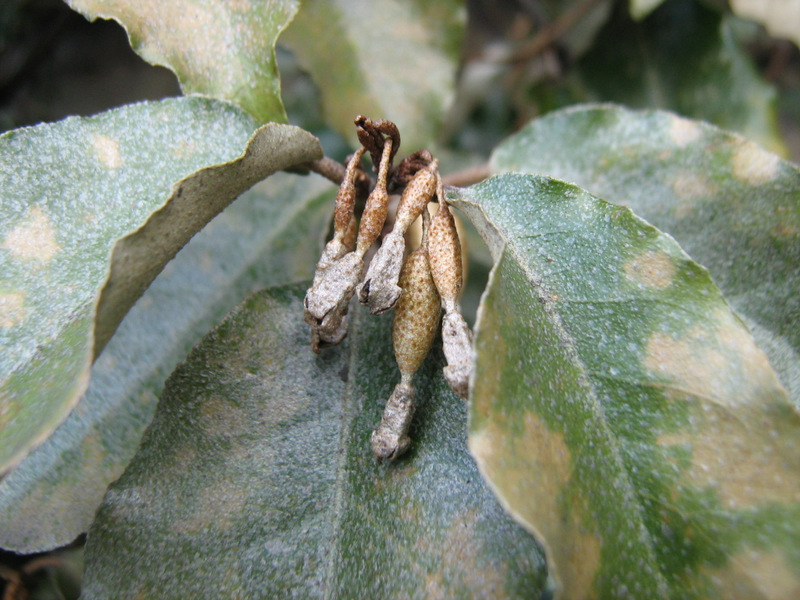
(417, 287)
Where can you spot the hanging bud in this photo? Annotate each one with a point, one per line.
(327, 299)
(379, 289)
(415, 322)
(377, 206)
(444, 252)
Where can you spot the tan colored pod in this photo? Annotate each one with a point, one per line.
(416, 316)
(444, 256)
(346, 197)
(418, 193)
(380, 289)
(377, 206)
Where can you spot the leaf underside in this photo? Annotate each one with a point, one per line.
(256, 479)
(264, 238)
(82, 244)
(621, 411)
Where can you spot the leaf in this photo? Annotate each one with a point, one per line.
(621, 411)
(781, 18)
(265, 237)
(395, 60)
(256, 479)
(639, 9)
(734, 207)
(224, 49)
(683, 57)
(81, 244)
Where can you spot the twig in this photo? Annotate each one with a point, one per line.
(552, 32)
(468, 176)
(333, 170)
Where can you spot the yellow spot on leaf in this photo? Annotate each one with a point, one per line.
(753, 165)
(463, 557)
(220, 418)
(34, 239)
(216, 506)
(651, 269)
(741, 429)
(536, 464)
(12, 308)
(107, 151)
(753, 574)
(688, 185)
(683, 132)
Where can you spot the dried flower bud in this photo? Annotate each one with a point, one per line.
(416, 316)
(457, 346)
(415, 322)
(374, 216)
(327, 300)
(416, 196)
(346, 197)
(379, 289)
(444, 250)
(444, 254)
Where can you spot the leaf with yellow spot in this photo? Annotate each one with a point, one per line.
(256, 479)
(219, 48)
(732, 206)
(621, 411)
(394, 59)
(66, 477)
(79, 245)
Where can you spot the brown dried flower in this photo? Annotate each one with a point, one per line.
(444, 251)
(379, 289)
(416, 319)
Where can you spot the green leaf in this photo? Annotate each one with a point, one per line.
(265, 237)
(683, 57)
(394, 60)
(81, 244)
(781, 18)
(224, 49)
(734, 207)
(639, 9)
(621, 410)
(256, 479)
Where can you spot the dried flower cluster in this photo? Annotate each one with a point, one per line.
(417, 287)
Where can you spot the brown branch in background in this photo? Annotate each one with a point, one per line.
(552, 32)
(333, 170)
(467, 176)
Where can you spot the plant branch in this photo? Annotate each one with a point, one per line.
(552, 32)
(468, 176)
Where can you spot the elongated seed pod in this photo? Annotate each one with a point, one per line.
(415, 322)
(444, 253)
(346, 197)
(416, 315)
(374, 215)
(327, 299)
(416, 196)
(380, 289)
